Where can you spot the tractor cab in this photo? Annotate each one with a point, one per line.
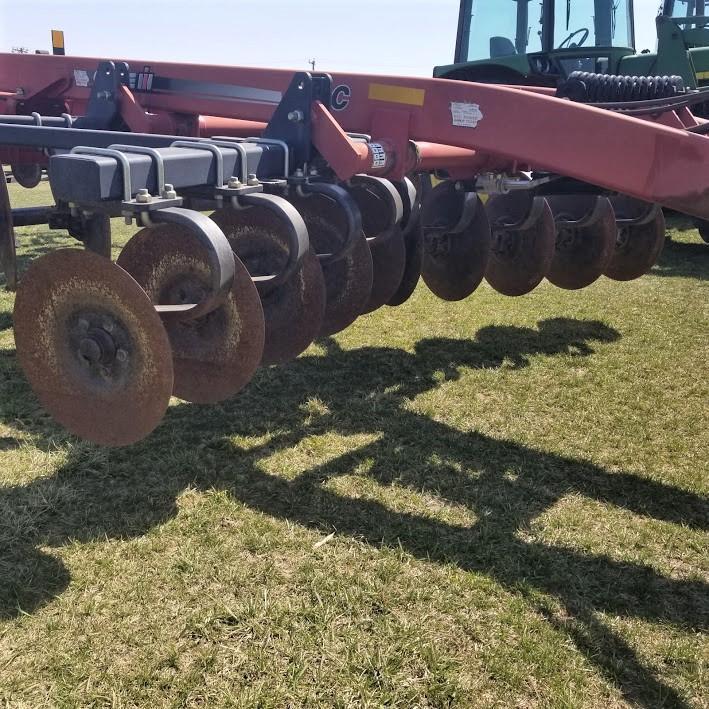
(682, 44)
(687, 12)
(691, 17)
(540, 42)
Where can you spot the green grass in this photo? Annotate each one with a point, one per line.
(497, 503)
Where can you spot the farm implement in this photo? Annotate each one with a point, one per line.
(321, 210)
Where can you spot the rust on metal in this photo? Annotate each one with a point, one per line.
(217, 355)
(386, 243)
(389, 257)
(93, 348)
(294, 310)
(348, 280)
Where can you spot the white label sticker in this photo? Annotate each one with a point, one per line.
(81, 78)
(466, 115)
(379, 156)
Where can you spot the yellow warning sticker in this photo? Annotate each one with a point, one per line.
(397, 94)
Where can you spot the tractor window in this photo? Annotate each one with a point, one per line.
(592, 23)
(500, 28)
(688, 8)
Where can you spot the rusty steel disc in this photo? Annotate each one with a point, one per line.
(27, 175)
(8, 261)
(523, 245)
(637, 249)
(583, 252)
(456, 253)
(389, 257)
(348, 280)
(294, 310)
(413, 265)
(93, 348)
(215, 356)
(386, 244)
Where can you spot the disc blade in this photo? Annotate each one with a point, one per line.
(92, 347)
(521, 256)
(215, 356)
(27, 175)
(348, 281)
(293, 311)
(455, 259)
(389, 259)
(413, 265)
(582, 253)
(637, 249)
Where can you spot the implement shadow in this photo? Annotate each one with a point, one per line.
(680, 259)
(507, 485)
(683, 260)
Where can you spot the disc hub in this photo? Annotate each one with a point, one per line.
(505, 243)
(566, 240)
(623, 239)
(101, 346)
(438, 245)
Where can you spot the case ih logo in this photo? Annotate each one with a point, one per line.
(341, 97)
(142, 81)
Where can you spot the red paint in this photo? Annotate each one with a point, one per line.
(640, 157)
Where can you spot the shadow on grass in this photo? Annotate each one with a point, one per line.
(683, 260)
(680, 259)
(507, 485)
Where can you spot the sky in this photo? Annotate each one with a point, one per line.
(405, 37)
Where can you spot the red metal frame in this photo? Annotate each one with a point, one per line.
(653, 159)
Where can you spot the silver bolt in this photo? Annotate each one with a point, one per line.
(253, 181)
(169, 192)
(296, 116)
(299, 173)
(108, 326)
(83, 325)
(122, 356)
(234, 183)
(313, 171)
(143, 197)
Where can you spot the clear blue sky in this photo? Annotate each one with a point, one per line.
(371, 36)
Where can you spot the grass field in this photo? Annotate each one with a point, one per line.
(497, 503)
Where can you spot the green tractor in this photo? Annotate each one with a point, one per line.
(541, 42)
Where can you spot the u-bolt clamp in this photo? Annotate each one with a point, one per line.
(353, 216)
(220, 257)
(525, 207)
(594, 207)
(298, 242)
(388, 193)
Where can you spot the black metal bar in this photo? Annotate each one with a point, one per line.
(86, 179)
(97, 234)
(54, 138)
(31, 216)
